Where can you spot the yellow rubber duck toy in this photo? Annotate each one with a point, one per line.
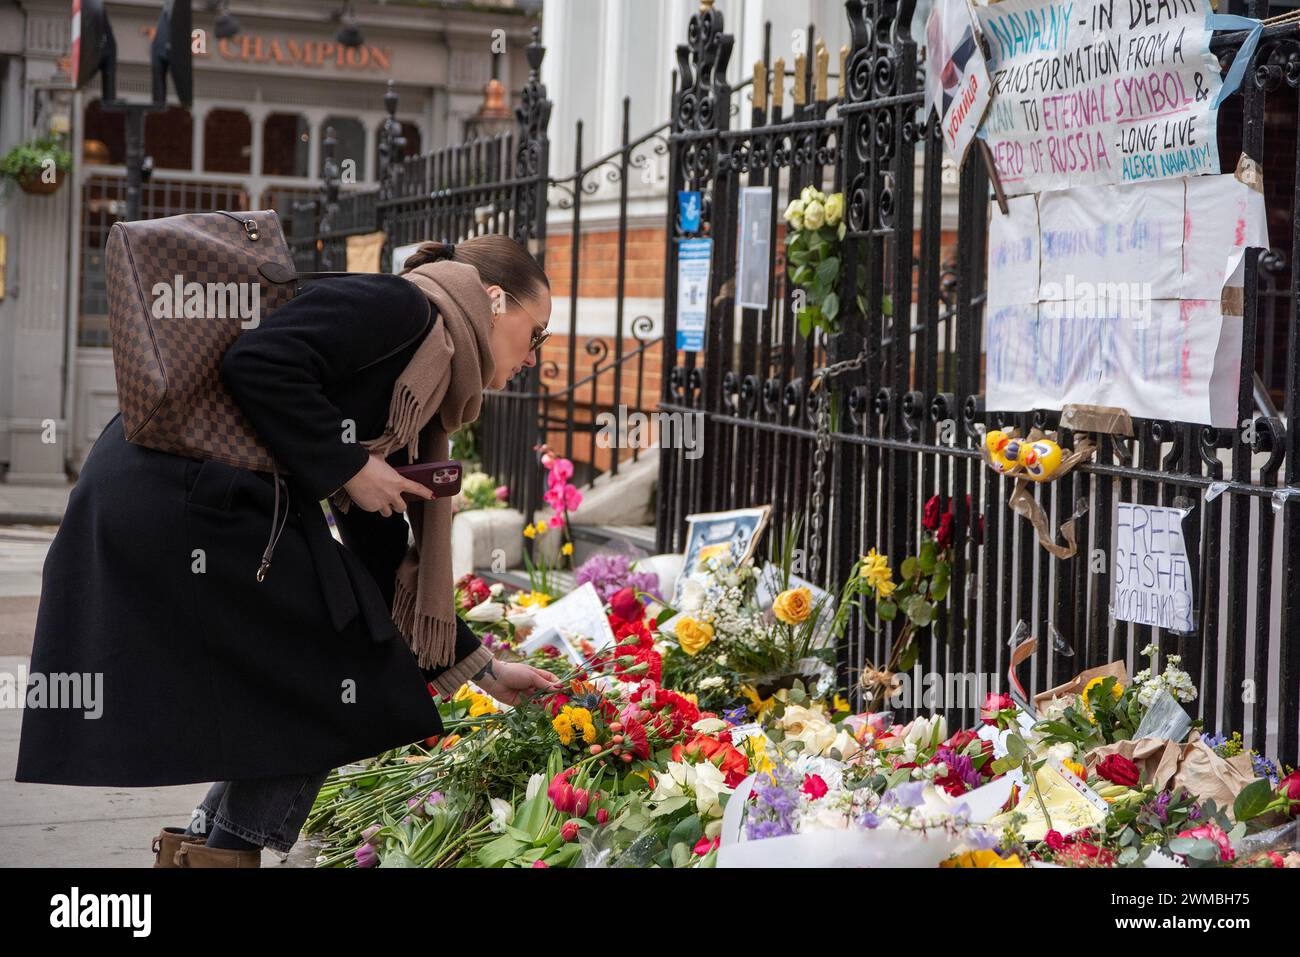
(1003, 449)
(1040, 459)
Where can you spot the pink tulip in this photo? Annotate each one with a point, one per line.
(366, 856)
(569, 831)
(502, 493)
(581, 800)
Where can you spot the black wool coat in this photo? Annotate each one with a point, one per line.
(150, 589)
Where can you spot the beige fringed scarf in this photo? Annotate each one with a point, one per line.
(440, 390)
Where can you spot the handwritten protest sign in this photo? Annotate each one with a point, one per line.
(1112, 295)
(1099, 91)
(1153, 578)
(956, 79)
(1013, 254)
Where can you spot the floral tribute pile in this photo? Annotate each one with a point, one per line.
(707, 734)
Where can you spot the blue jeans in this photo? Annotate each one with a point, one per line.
(268, 812)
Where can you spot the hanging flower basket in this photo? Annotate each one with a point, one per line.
(38, 186)
(26, 164)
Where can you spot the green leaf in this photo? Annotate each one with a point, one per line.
(689, 830)
(497, 852)
(939, 589)
(920, 611)
(887, 610)
(1182, 845)
(803, 275)
(908, 568)
(829, 270)
(927, 556)
(805, 323)
(1252, 800)
(798, 257)
(396, 859)
(908, 658)
(669, 806)
(1016, 748)
(681, 855)
(942, 571)
(831, 305)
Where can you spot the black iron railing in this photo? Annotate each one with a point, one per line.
(907, 424)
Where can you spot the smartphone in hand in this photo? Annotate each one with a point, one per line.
(442, 478)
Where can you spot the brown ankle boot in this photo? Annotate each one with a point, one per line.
(169, 841)
(200, 855)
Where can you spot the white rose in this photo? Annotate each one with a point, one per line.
(834, 209)
(794, 212)
(814, 216)
(710, 784)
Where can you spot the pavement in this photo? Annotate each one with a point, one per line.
(46, 825)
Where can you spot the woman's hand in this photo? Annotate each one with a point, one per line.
(378, 487)
(509, 681)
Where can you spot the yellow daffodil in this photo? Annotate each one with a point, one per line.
(463, 693)
(839, 704)
(541, 525)
(875, 569)
(566, 548)
(1116, 692)
(793, 605)
(481, 705)
(693, 636)
(529, 531)
(985, 858)
(534, 598)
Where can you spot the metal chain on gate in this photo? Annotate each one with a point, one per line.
(819, 452)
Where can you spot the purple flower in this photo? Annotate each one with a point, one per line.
(960, 765)
(980, 840)
(611, 571)
(868, 820)
(1194, 812)
(904, 795)
(758, 830)
(736, 715)
(1161, 806)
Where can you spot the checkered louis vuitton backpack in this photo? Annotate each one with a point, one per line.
(168, 344)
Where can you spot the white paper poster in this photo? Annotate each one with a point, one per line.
(1098, 236)
(1013, 253)
(693, 258)
(1099, 91)
(1224, 216)
(1118, 298)
(1153, 578)
(956, 80)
